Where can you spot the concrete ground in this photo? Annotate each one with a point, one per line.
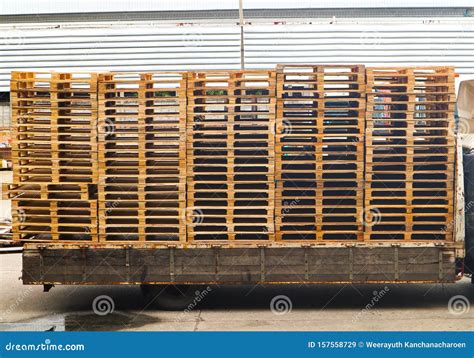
(324, 307)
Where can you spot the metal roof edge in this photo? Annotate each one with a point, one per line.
(232, 15)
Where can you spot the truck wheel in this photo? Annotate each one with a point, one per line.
(171, 297)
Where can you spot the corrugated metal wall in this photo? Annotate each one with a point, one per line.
(147, 48)
(119, 49)
(377, 45)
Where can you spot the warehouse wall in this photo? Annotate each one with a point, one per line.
(151, 47)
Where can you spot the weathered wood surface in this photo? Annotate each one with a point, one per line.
(238, 266)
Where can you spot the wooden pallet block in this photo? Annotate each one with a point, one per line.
(48, 191)
(410, 79)
(46, 176)
(54, 219)
(400, 157)
(322, 234)
(26, 164)
(38, 236)
(411, 101)
(403, 123)
(324, 79)
(54, 81)
(381, 113)
(402, 234)
(55, 205)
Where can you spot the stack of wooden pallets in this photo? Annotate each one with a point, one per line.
(410, 153)
(54, 152)
(319, 152)
(230, 155)
(142, 149)
(234, 156)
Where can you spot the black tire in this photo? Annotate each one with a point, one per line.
(171, 297)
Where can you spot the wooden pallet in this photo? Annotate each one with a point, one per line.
(410, 79)
(62, 192)
(54, 81)
(231, 119)
(319, 152)
(142, 171)
(46, 220)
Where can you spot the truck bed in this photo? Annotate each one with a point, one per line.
(89, 265)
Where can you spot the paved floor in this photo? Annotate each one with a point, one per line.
(325, 307)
